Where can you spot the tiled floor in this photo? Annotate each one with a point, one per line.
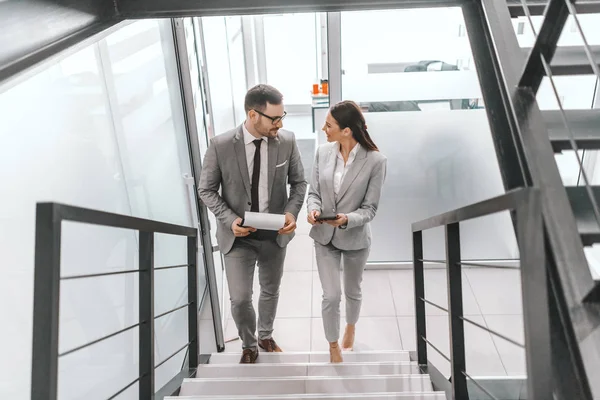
(491, 298)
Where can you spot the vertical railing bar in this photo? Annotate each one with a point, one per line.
(46, 303)
(457, 330)
(534, 288)
(419, 282)
(193, 300)
(146, 311)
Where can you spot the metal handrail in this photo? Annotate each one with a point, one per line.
(47, 283)
(525, 203)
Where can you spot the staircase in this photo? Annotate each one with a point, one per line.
(362, 375)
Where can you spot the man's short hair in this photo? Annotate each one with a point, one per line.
(258, 97)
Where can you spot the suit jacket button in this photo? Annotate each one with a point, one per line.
(250, 204)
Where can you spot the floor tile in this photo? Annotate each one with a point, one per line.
(295, 295)
(407, 328)
(497, 291)
(293, 334)
(299, 254)
(512, 356)
(403, 292)
(372, 333)
(377, 296)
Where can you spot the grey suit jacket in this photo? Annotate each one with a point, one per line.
(358, 197)
(225, 167)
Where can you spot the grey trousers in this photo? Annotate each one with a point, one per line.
(329, 263)
(239, 267)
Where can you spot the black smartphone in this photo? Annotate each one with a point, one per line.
(326, 217)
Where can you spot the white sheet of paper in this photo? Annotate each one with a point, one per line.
(271, 222)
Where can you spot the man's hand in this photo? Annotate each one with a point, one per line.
(312, 217)
(341, 219)
(290, 224)
(238, 231)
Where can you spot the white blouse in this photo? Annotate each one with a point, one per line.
(341, 169)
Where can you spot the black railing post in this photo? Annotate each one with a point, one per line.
(419, 278)
(193, 300)
(534, 288)
(146, 290)
(44, 367)
(455, 308)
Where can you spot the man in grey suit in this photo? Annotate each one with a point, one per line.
(252, 165)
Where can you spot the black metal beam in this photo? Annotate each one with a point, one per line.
(32, 31)
(555, 18)
(508, 201)
(187, 8)
(575, 281)
(509, 150)
(95, 217)
(455, 304)
(146, 313)
(537, 7)
(44, 366)
(419, 283)
(534, 292)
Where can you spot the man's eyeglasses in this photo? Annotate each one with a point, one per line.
(274, 120)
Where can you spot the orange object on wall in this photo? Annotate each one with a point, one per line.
(315, 88)
(325, 87)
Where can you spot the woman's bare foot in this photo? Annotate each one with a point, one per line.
(348, 341)
(335, 353)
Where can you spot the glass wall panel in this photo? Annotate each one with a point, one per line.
(101, 128)
(436, 165)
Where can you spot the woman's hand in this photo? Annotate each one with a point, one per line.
(312, 217)
(341, 219)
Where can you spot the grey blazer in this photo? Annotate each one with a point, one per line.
(225, 167)
(358, 197)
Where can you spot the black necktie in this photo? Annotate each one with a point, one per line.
(255, 176)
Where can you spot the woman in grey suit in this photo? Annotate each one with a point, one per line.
(346, 184)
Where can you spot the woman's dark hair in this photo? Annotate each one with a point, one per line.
(348, 115)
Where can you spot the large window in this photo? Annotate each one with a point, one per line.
(100, 128)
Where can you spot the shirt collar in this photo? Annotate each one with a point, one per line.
(248, 138)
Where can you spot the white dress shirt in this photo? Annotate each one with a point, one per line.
(341, 169)
(263, 180)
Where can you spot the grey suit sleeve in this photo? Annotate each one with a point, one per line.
(208, 190)
(296, 181)
(368, 208)
(314, 193)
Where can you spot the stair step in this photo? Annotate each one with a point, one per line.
(584, 215)
(306, 369)
(571, 60)
(584, 124)
(305, 384)
(340, 396)
(313, 357)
